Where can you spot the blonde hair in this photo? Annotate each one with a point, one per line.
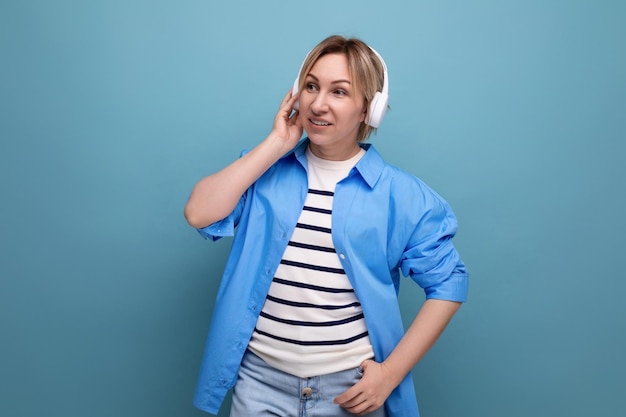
(365, 68)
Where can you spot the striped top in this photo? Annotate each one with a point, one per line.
(312, 322)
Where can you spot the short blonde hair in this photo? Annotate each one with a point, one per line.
(365, 68)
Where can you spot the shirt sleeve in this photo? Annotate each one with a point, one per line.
(430, 258)
(226, 226)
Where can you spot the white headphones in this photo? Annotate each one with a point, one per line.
(378, 105)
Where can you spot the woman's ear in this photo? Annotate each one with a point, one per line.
(364, 114)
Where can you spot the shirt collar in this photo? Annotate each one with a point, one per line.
(370, 166)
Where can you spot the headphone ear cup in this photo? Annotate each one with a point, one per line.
(294, 91)
(377, 109)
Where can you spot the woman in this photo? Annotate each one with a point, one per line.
(306, 319)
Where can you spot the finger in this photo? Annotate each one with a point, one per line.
(349, 398)
(294, 119)
(345, 396)
(361, 405)
(356, 406)
(286, 109)
(289, 99)
(365, 411)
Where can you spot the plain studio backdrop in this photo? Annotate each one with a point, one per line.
(514, 111)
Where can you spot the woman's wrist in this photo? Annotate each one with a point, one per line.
(278, 144)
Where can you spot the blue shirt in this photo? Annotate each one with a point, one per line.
(386, 222)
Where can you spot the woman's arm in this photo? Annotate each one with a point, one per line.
(379, 379)
(215, 196)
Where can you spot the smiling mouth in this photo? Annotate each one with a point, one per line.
(319, 123)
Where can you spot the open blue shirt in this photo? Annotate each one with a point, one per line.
(385, 222)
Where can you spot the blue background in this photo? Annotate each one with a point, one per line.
(514, 111)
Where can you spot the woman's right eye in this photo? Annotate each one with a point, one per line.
(311, 87)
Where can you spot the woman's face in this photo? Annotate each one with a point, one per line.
(331, 108)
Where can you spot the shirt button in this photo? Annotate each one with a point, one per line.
(307, 392)
(342, 256)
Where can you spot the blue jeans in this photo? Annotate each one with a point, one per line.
(263, 391)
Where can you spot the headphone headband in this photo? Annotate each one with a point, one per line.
(378, 105)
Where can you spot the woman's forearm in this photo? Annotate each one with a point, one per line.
(428, 325)
(216, 195)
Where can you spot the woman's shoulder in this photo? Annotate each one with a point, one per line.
(407, 186)
(401, 178)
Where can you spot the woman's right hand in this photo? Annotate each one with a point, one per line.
(287, 126)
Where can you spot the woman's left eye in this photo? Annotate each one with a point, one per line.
(340, 92)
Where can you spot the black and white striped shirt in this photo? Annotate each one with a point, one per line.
(312, 322)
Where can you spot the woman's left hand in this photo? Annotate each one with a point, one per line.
(370, 393)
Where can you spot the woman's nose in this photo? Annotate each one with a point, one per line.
(319, 104)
